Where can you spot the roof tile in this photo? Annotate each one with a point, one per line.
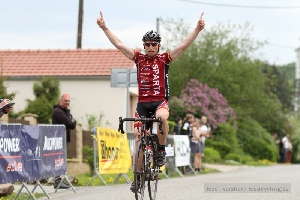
(77, 62)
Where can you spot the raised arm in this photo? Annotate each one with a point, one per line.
(129, 53)
(189, 40)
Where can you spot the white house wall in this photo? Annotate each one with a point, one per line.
(88, 96)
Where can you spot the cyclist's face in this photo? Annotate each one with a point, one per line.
(151, 47)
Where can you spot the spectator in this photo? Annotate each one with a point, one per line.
(205, 133)
(289, 153)
(278, 144)
(61, 115)
(186, 128)
(285, 142)
(281, 152)
(177, 126)
(196, 146)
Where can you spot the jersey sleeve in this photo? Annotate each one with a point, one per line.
(135, 56)
(169, 57)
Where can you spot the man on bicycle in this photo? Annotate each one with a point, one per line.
(152, 69)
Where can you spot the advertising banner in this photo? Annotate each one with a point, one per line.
(53, 150)
(182, 150)
(170, 152)
(11, 161)
(177, 150)
(113, 151)
(29, 153)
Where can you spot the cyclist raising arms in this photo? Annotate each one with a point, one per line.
(152, 69)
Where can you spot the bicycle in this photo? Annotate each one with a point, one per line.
(146, 148)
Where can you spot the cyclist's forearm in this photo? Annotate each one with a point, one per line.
(128, 52)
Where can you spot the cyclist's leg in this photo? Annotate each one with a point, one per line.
(140, 111)
(140, 158)
(162, 112)
(137, 138)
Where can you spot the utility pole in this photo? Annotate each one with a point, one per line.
(80, 21)
(157, 24)
(297, 82)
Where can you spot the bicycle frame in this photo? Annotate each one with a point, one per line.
(150, 170)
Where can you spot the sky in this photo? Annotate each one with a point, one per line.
(52, 24)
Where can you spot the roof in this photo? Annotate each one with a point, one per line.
(75, 62)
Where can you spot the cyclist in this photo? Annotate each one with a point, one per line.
(152, 69)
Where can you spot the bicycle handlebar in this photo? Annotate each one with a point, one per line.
(143, 120)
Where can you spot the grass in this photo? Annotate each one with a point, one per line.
(22, 196)
(264, 162)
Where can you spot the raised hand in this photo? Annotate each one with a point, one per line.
(4, 102)
(201, 22)
(100, 21)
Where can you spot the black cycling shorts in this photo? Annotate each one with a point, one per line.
(148, 109)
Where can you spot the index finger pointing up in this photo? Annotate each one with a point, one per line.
(101, 16)
(201, 15)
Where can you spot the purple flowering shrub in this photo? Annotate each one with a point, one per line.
(199, 99)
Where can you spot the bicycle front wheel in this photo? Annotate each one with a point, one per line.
(152, 182)
(139, 176)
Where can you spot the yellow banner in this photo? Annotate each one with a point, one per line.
(113, 151)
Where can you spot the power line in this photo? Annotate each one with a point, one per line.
(241, 6)
(282, 46)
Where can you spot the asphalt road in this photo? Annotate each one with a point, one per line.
(205, 186)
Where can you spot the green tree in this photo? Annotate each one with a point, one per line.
(223, 57)
(278, 83)
(94, 120)
(47, 92)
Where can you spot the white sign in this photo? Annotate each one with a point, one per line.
(182, 150)
(169, 150)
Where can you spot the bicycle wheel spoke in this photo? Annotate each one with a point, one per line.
(152, 183)
(139, 178)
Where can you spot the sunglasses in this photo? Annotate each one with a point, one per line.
(153, 44)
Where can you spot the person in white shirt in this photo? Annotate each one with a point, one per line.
(196, 146)
(285, 142)
(205, 132)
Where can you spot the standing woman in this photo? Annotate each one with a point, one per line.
(196, 145)
(205, 132)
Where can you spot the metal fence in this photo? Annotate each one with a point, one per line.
(17, 121)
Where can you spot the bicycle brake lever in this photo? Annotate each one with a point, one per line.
(120, 129)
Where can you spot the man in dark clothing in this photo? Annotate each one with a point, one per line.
(177, 127)
(61, 115)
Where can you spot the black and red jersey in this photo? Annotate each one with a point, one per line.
(152, 76)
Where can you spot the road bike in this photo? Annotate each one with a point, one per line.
(146, 149)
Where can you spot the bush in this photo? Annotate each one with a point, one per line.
(247, 159)
(211, 155)
(221, 147)
(233, 156)
(226, 134)
(171, 127)
(260, 149)
(200, 99)
(256, 141)
(88, 155)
